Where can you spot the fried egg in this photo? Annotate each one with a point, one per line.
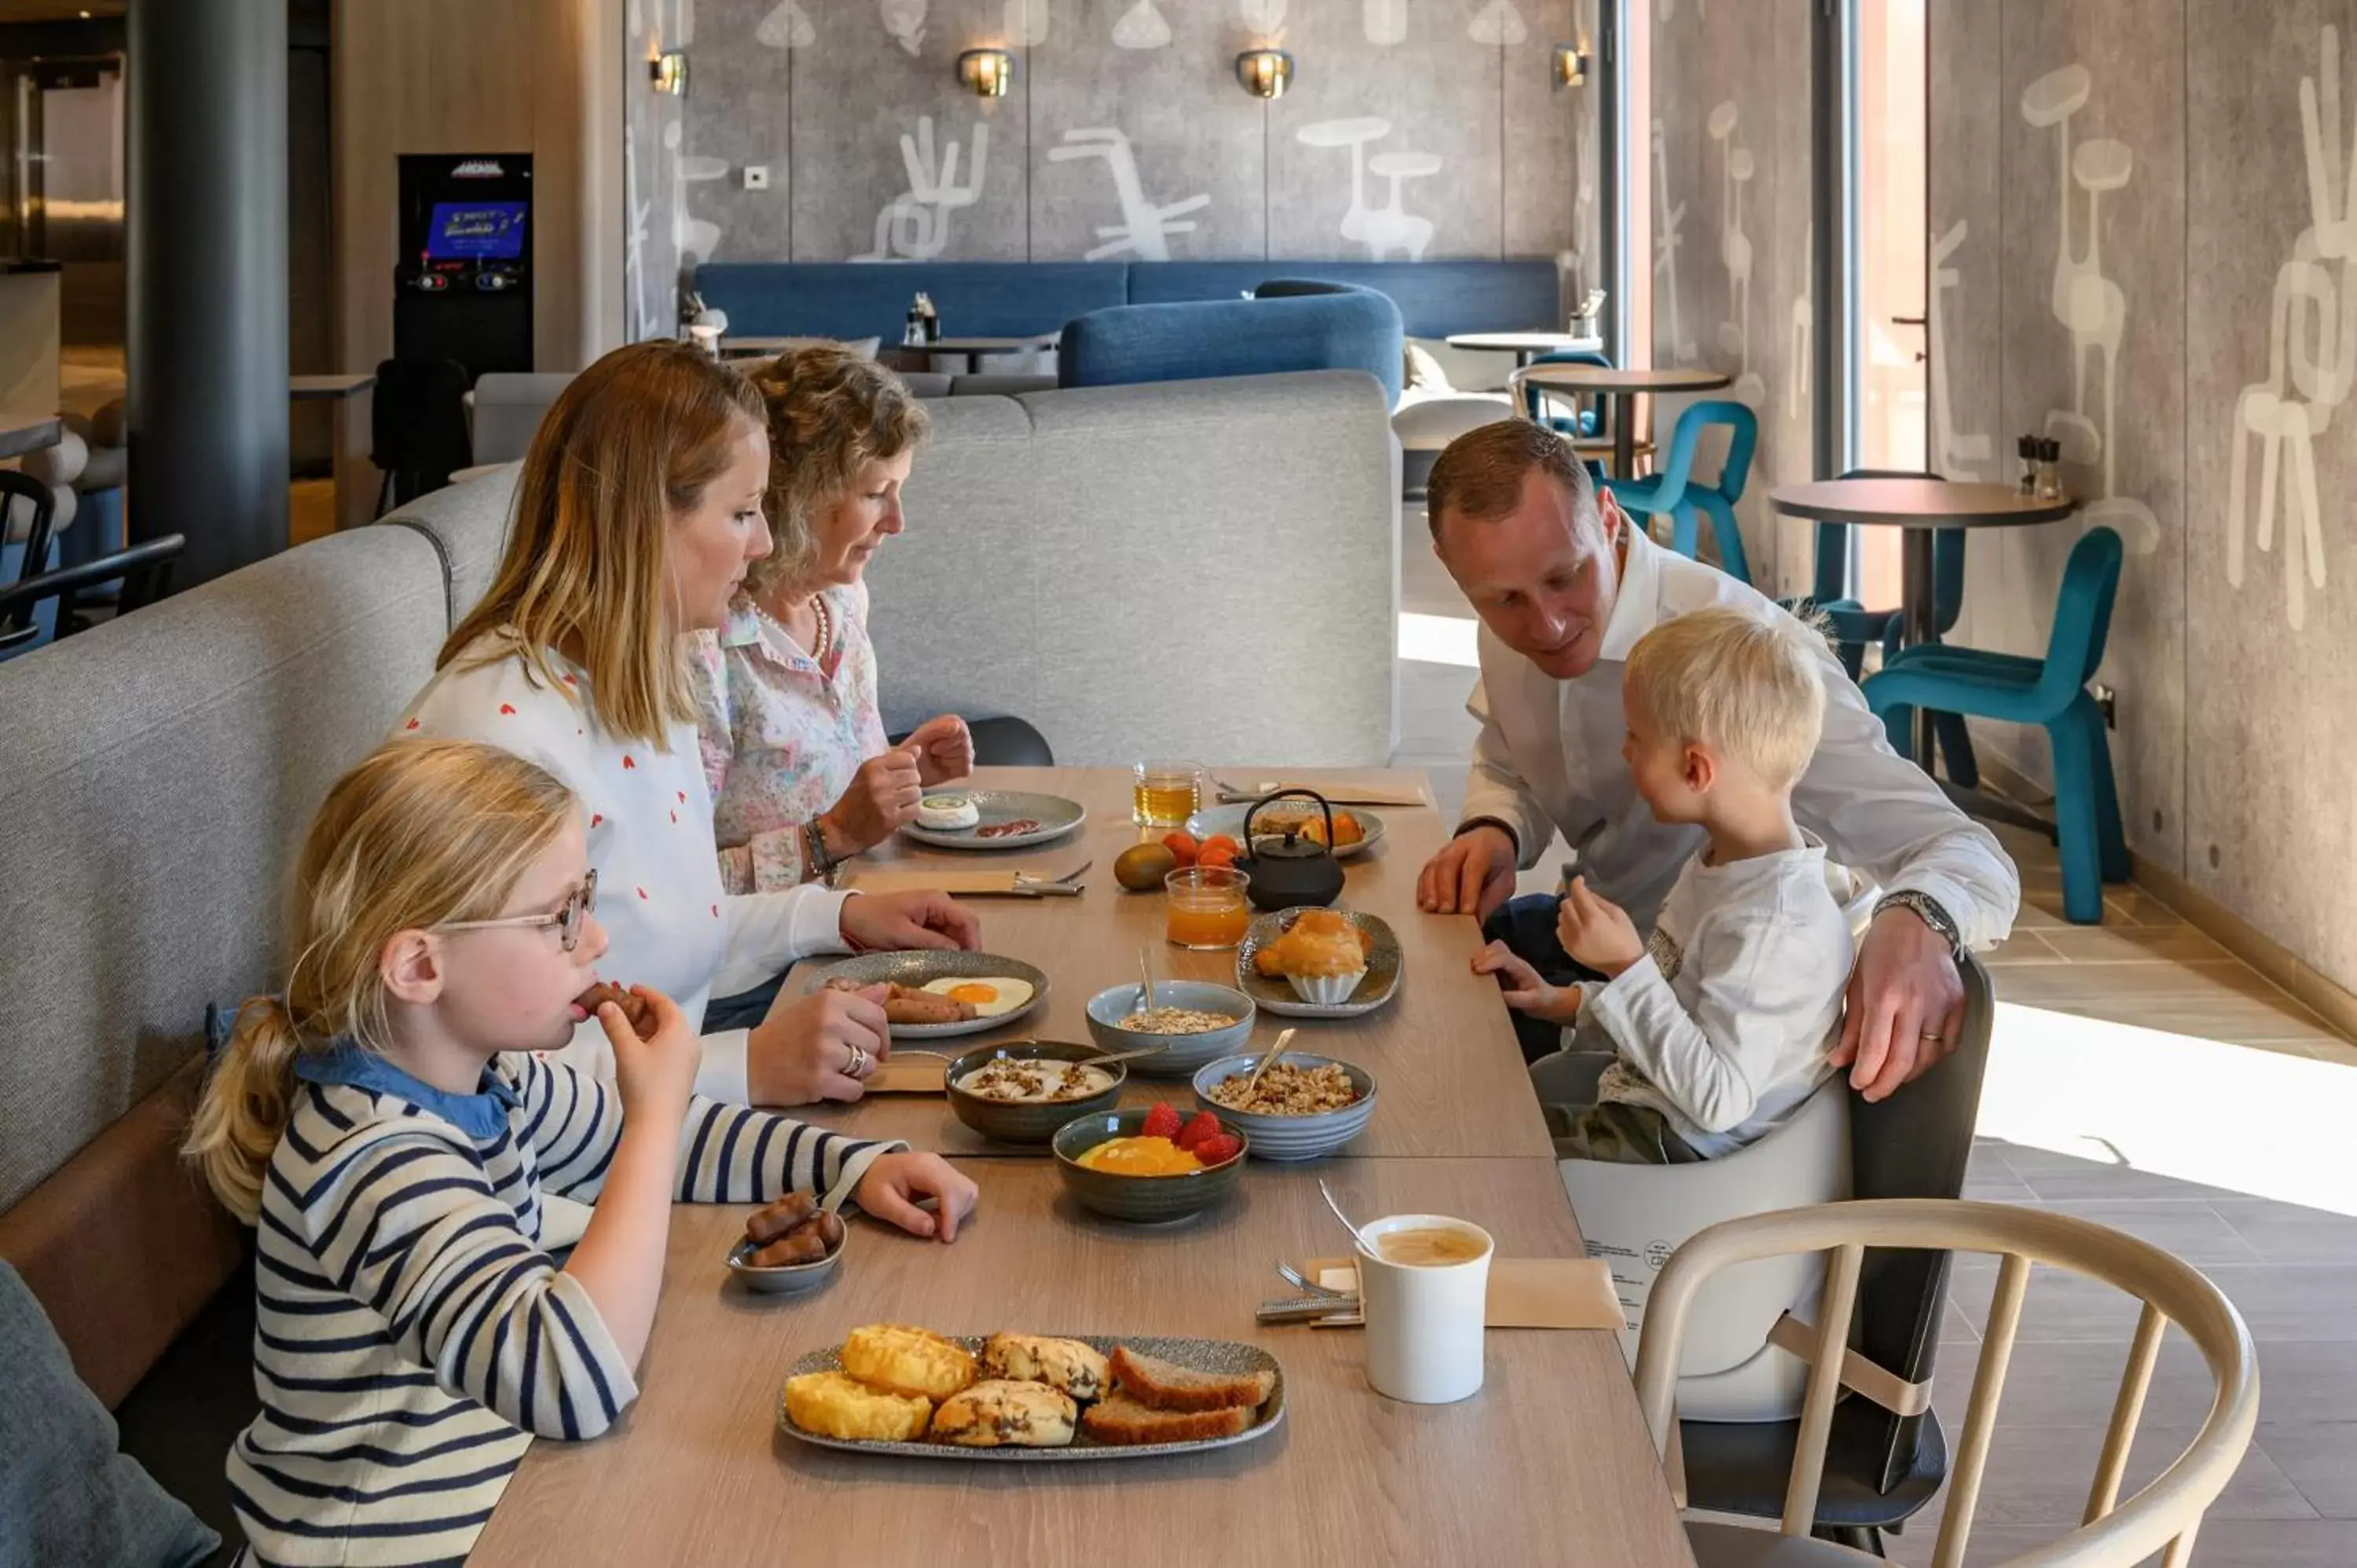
(992, 995)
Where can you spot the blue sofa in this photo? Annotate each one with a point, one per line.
(1015, 300)
(1309, 327)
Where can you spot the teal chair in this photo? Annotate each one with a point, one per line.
(2050, 692)
(1676, 493)
(1854, 626)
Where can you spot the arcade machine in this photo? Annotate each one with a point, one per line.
(462, 306)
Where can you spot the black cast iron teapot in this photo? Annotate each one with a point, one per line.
(1292, 870)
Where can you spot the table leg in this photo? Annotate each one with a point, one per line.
(356, 476)
(1919, 624)
(1624, 436)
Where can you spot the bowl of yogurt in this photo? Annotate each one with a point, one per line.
(1020, 1091)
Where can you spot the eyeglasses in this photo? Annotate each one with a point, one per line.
(580, 903)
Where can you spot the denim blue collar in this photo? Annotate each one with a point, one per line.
(481, 1114)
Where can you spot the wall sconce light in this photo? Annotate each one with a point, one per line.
(1571, 65)
(985, 73)
(1264, 73)
(669, 73)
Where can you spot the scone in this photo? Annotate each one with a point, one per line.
(999, 1413)
(906, 1361)
(1065, 1364)
(831, 1404)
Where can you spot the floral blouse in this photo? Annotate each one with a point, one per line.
(783, 736)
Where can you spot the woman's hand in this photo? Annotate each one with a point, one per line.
(944, 749)
(1597, 932)
(882, 797)
(806, 1049)
(894, 922)
(894, 1182)
(655, 1076)
(1526, 991)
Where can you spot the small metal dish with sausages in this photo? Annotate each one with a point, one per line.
(789, 1246)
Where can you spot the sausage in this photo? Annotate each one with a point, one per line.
(803, 1245)
(907, 1005)
(767, 1225)
(636, 1010)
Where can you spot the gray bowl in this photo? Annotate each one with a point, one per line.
(1027, 1123)
(1185, 1052)
(1145, 1200)
(1290, 1137)
(791, 1279)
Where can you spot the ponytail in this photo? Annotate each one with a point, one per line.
(244, 1109)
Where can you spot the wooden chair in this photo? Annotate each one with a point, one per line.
(2166, 1513)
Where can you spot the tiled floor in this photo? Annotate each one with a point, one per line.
(2143, 1077)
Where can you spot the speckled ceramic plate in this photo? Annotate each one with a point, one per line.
(1384, 962)
(1055, 815)
(1230, 820)
(920, 967)
(1200, 1354)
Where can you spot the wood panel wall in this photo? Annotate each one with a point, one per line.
(541, 77)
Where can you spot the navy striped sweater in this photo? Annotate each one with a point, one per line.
(411, 1337)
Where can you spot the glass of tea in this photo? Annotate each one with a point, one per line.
(1164, 794)
(1206, 908)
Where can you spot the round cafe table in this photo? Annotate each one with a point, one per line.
(1628, 385)
(1526, 346)
(1922, 508)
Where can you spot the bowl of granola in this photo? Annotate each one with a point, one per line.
(1193, 1020)
(1020, 1091)
(1304, 1108)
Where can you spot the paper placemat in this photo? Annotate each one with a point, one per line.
(1340, 792)
(910, 1075)
(1524, 1293)
(962, 884)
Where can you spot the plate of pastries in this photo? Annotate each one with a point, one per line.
(891, 1388)
(1318, 963)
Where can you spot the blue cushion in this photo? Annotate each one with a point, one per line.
(1356, 330)
(66, 1495)
(1435, 298)
(864, 299)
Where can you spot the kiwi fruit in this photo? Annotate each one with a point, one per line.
(1141, 867)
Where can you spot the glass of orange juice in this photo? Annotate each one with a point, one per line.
(1205, 907)
(1164, 794)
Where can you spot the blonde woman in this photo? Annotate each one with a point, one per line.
(638, 515)
(389, 1128)
(794, 750)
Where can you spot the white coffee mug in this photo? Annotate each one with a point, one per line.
(1424, 1321)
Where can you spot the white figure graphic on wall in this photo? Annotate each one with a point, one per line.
(694, 237)
(1958, 457)
(915, 224)
(788, 27)
(2310, 367)
(1142, 26)
(1144, 229)
(905, 20)
(1498, 22)
(649, 323)
(1027, 22)
(1735, 250)
(1262, 16)
(1390, 227)
(1666, 245)
(1386, 21)
(2093, 307)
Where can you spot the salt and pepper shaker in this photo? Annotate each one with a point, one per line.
(2026, 447)
(2050, 469)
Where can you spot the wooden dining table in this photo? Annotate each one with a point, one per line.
(1550, 1462)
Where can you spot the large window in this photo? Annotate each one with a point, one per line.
(1890, 336)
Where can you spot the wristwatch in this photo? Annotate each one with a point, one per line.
(814, 854)
(1926, 909)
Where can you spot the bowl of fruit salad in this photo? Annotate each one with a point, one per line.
(1151, 1165)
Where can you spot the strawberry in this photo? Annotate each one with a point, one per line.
(1162, 1122)
(1219, 1149)
(1200, 1126)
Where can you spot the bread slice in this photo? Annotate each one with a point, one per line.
(1162, 1385)
(1122, 1421)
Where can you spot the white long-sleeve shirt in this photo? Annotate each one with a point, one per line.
(1549, 758)
(1725, 1023)
(669, 923)
(412, 1334)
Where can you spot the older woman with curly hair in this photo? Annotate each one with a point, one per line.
(802, 773)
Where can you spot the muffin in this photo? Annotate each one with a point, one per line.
(1065, 1364)
(1322, 955)
(999, 1413)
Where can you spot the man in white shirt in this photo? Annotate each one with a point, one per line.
(1565, 584)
